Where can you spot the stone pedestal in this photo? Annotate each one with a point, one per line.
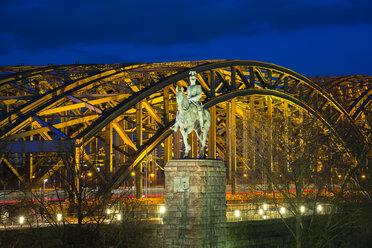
(195, 200)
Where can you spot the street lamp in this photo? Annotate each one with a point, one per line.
(302, 209)
(162, 210)
(282, 210)
(44, 181)
(265, 206)
(237, 213)
(21, 220)
(118, 217)
(319, 208)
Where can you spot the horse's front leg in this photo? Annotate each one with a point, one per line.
(203, 143)
(204, 134)
(185, 134)
(176, 124)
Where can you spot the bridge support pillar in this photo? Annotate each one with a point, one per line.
(231, 143)
(108, 151)
(139, 134)
(212, 134)
(195, 199)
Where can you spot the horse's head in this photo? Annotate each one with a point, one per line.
(181, 99)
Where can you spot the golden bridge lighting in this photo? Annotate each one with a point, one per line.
(123, 129)
(107, 130)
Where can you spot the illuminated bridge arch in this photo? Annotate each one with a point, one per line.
(145, 106)
(287, 85)
(354, 93)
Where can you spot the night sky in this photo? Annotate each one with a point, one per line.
(311, 37)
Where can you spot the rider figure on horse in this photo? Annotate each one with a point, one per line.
(194, 93)
(190, 113)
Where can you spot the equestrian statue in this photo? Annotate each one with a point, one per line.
(191, 115)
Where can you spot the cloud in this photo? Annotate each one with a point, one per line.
(310, 51)
(39, 25)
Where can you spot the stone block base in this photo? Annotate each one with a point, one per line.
(195, 200)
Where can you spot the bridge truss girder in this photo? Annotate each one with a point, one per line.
(97, 108)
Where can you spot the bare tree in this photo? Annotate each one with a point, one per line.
(305, 170)
(73, 213)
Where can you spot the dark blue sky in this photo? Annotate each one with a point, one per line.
(311, 37)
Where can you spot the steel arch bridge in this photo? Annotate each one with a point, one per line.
(113, 117)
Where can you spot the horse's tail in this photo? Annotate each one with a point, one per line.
(207, 116)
